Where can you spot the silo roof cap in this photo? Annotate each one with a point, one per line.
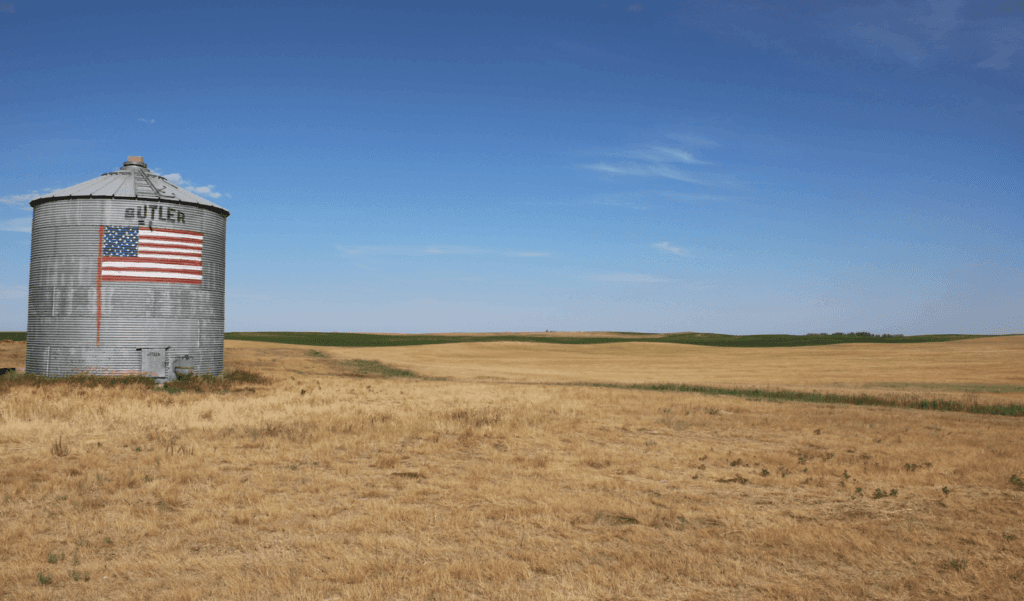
(133, 181)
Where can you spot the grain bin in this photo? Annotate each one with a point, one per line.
(127, 276)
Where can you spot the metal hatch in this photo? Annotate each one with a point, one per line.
(154, 362)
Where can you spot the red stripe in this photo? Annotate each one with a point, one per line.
(182, 261)
(119, 278)
(142, 230)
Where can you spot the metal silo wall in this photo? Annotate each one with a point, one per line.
(62, 328)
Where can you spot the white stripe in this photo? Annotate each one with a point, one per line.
(154, 274)
(162, 256)
(155, 234)
(138, 264)
(171, 242)
(146, 249)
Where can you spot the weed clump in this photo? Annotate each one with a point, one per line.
(779, 394)
(193, 383)
(230, 381)
(79, 380)
(60, 449)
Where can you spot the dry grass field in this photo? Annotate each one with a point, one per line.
(338, 477)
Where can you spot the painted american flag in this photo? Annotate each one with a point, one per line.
(140, 254)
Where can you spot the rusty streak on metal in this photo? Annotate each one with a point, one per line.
(99, 296)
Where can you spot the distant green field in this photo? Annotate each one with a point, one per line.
(760, 340)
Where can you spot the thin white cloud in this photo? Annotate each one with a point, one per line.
(646, 171)
(674, 250)
(9, 292)
(205, 190)
(147, 120)
(22, 224)
(1007, 41)
(998, 60)
(616, 200)
(177, 180)
(19, 200)
(661, 154)
(617, 169)
(680, 155)
(634, 278)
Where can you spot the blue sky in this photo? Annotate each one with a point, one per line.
(731, 167)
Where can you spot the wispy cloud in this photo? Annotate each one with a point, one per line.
(652, 160)
(19, 200)
(647, 171)
(1006, 42)
(177, 180)
(147, 120)
(634, 278)
(431, 250)
(206, 190)
(661, 154)
(998, 60)
(618, 200)
(672, 250)
(22, 224)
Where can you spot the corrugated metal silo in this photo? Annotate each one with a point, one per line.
(127, 276)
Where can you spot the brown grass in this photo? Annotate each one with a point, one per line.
(965, 366)
(326, 483)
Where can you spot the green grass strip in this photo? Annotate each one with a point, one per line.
(760, 394)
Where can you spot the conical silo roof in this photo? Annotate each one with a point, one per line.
(132, 181)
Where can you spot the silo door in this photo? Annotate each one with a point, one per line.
(154, 362)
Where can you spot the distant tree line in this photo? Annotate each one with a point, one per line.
(868, 334)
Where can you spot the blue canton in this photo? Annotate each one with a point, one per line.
(120, 241)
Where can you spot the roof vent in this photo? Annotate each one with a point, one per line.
(134, 161)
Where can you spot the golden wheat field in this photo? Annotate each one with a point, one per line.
(332, 479)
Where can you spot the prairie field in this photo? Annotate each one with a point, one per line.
(520, 470)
